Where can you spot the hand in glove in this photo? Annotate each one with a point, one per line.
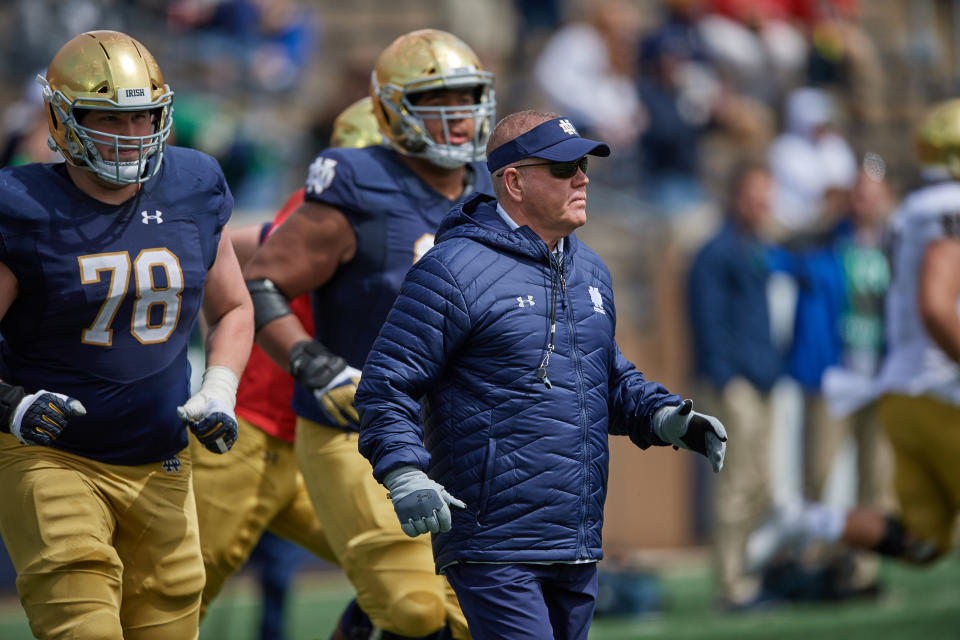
(421, 504)
(40, 418)
(332, 381)
(681, 426)
(336, 399)
(209, 412)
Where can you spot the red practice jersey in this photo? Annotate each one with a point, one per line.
(263, 397)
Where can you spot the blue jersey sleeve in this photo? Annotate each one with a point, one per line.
(331, 180)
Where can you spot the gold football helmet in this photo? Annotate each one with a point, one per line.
(938, 137)
(427, 60)
(356, 126)
(106, 70)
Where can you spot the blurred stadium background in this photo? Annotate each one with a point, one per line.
(259, 82)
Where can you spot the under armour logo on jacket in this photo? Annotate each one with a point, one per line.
(171, 465)
(596, 300)
(156, 217)
(528, 301)
(567, 127)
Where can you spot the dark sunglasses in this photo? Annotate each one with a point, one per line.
(562, 170)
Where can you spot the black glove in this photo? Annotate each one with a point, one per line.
(313, 365)
(37, 418)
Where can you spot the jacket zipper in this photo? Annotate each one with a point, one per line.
(575, 356)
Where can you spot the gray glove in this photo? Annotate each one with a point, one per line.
(422, 505)
(681, 426)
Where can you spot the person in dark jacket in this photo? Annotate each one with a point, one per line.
(738, 364)
(496, 379)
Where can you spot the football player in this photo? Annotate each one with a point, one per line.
(368, 215)
(919, 381)
(105, 261)
(260, 487)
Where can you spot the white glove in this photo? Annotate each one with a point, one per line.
(421, 504)
(681, 426)
(209, 412)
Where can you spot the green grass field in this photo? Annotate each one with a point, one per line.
(919, 604)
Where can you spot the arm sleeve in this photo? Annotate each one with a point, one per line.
(429, 319)
(633, 401)
(224, 209)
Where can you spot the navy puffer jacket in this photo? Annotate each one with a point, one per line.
(459, 355)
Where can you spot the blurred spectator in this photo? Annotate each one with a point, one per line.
(683, 94)
(586, 70)
(41, 24)
(242, 54)
(756, 46)
(842, 278)
(677, 87)
(808, 160)
(842, 56)
(267, 41)
(738, 363)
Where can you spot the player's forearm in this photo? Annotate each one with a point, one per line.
(278, 337)
(230, 339)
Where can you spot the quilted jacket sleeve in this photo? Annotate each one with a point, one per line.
(633, 401)
(428, 320)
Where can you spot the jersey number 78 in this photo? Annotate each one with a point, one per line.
(148, 295)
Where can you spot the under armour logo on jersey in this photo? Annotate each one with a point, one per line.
(596, 300)
(528, 301)
(157, 217)
(321, 174)
(171, 465)
(567, 127)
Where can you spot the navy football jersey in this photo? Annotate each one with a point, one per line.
(107, 298)
(394, 215)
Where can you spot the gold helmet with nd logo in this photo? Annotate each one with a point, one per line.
(356, 126)
(425, 61)
(106, 70)
(938, 138)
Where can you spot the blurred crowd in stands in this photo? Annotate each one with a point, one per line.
(680, 88)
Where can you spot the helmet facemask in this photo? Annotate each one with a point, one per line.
(399, 100)
(429, 60)
(107, 71)
(81, 141)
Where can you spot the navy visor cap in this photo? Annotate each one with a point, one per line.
(556, 140)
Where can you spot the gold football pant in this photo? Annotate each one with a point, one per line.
(253, 487)
(394, 575)
(925, 435)
(101, 551)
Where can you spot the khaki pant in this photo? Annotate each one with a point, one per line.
(255, 486)
(101, 551)
(823, 437)
(742, 489)
(394, 575)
